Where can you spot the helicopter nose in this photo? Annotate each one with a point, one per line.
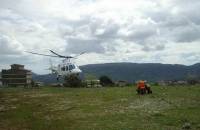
(77, 71)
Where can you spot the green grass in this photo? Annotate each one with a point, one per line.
(47, 108)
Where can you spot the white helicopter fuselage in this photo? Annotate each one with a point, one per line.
(65, 69)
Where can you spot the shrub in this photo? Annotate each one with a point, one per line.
(192, 79)
(72, 81)
(106, 81)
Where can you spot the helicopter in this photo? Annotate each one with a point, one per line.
(66, 68)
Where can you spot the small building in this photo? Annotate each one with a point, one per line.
(16, 76)
(181, 82)
(121, 83)
(162, 83)
(172, 83)
(38, 84)
(93, 83)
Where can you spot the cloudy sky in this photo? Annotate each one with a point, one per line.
(141, 31)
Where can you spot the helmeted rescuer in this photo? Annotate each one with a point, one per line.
(141, 84)
(141, 87)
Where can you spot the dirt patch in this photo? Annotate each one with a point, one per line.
(149, 105)
(7, 108)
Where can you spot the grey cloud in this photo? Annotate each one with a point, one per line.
(188, 34)
(142, 33)
(108, 32)
(158, 16)
(191, 57)
(160, 47)
(76, 45)
(174, 22)
(101, 37)
(11, 59)
(153, 47)
(9, 46)
(181, 25)
(192, 14)
(9, 3)
(15, 21)
(97, 36)
(147, 37)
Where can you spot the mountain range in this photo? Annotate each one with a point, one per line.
(133, 71)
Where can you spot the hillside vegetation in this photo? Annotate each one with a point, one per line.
(149, 71)
(134, 71)
(47, 108)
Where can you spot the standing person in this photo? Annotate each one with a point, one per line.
(148, 88)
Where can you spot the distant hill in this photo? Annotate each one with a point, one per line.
(134, 71)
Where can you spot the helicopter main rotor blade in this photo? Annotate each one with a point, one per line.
(79, 55)
(68, 57)
(56, 53)
(41, 54)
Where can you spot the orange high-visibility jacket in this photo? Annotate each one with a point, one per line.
(141, 85)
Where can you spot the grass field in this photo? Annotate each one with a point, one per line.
(47, 108)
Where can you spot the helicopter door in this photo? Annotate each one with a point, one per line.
(63, 68)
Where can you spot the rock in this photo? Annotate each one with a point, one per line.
(186, 126)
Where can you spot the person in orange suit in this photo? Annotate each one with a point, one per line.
(141, 87)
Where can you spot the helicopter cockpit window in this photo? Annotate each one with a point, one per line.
(71, 67)
(63, 68)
